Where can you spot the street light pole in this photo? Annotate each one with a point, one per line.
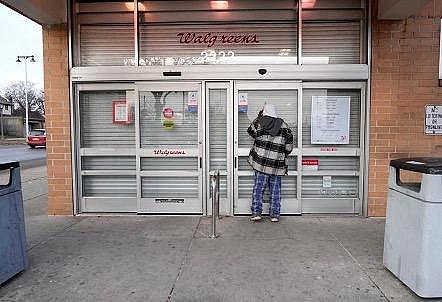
(1, 121)
(26, 98)
(26, 88)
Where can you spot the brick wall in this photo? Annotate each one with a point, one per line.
(56, 84)
(404, 79)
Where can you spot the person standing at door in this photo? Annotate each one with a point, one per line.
(273, 142)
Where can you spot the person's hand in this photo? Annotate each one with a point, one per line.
(257, 119)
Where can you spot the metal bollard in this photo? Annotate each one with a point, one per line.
(214, 186)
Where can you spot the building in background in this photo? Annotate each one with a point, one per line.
(9, 125)
(145, 99)
(13, 120)
(6, 106)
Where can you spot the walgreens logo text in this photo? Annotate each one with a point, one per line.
(168, 152)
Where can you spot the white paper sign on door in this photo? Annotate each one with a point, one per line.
(330, 120)
(243, 102)
(192, 102)
(326, 181)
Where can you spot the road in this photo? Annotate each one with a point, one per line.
(28, 157)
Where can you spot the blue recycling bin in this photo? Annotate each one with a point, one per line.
(13, 257)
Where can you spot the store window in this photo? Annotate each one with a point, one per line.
(347, 102)
(107, 161)
(218, 32)
(107, 120)
(333, 32)
(203, 32)
(168, 118)
(104, 33)
(194, 32)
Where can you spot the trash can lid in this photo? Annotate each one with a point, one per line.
(426, 165)
(8, 165)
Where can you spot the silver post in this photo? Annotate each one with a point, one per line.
(218, 180)
(214, 186)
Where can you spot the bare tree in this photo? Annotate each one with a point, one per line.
(15, 92)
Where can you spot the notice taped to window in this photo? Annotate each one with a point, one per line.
(433, 119)
(330, 120)
(120, 112)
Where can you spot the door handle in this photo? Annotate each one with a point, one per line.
(201, 162)
(235, 162)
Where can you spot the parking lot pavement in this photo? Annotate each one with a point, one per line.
(27, 157)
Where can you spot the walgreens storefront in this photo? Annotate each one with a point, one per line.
(163, 92)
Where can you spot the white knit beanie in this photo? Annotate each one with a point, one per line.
(269, 110)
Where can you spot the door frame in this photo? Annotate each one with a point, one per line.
(95, 204)
(267, 85)
(356, 203)
(120, 204)
(166, 208)
(228, 85)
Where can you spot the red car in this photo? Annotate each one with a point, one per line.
(36, 137)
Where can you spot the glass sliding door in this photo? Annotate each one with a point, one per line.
(219, 136)
(170, 148)
(332, 168)
(249, 98)
(105, 136)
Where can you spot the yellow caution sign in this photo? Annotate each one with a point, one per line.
(168, 124)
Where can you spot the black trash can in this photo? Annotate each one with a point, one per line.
(13, 257)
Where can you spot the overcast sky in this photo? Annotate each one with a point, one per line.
(19, 36)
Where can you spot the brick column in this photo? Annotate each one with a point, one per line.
(404, 79)
(56, 84)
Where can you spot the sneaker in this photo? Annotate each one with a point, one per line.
(274, 219)
(255, 217)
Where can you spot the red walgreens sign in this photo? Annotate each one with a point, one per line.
(211, 38)
(310, 164)
(168, 112)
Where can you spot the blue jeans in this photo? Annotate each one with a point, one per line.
(273, 182)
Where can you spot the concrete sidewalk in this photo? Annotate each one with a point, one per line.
(146, 258)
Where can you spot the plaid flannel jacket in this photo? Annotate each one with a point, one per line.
(269, 153)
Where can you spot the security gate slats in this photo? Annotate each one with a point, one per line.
(342, 187)
(109, 186)
(284, 100)
(169, 164)
(218, 128)
(97, 129)
(184, 131)
(170, 187)
(334, 42)
(160, 40)
(106, 45)
(108, 163)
